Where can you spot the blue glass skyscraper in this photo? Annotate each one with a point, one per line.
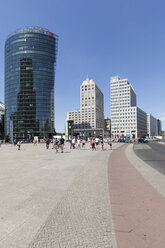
(30, 58)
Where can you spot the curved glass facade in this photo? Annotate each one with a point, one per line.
(30, 57)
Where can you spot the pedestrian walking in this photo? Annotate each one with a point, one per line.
(73, 142)
(93, 144)
(78, 143)
(53, 142)
(62, 144)
(83, 143)
(56, 144)
(97, 142)
(110, 144)
(19, 145)
(102, 145)
(71, 146)
(47, 143)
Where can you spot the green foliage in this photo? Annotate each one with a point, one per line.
(60, 133)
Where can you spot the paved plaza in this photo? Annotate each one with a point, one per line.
(80, 198)
(54, 200)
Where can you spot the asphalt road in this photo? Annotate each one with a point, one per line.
(153, 154)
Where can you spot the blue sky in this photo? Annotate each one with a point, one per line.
(101, 39)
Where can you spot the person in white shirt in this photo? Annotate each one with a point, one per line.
(73, 143)
(78, 143)
(19, 145)
(97, 142)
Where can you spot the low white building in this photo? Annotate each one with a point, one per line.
(152, 126)
(132, 123)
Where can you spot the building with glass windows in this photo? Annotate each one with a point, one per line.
(159, 127)
(152, 126)
(127, 120)
(2, 110)
(89, 120)
(30, 58)
(107, 127)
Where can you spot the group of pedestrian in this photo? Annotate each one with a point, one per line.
(57, 144)
(95, 142)
(80, 143)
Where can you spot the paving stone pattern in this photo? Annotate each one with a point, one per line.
(82, 218)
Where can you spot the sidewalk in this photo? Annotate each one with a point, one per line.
(138, 209)
(51, 200)
(82, 219)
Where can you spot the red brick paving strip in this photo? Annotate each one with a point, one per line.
(138, 210)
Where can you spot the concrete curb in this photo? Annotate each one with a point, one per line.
(155, 178)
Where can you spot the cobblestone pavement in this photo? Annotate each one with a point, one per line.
(83, 217)
(54, 200)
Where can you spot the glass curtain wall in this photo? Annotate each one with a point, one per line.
(30, 58)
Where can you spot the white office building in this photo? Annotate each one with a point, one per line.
(126, 118)
(152, 126)
(141, 119)
(2, 109)
(89, 120)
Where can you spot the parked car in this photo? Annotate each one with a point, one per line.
(122, 140)
(142, 140)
